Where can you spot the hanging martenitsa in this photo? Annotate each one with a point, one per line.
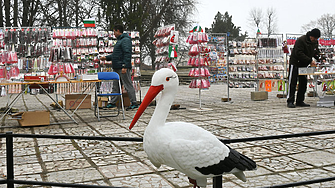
(167, 47)
(173, 49)
(199, 58)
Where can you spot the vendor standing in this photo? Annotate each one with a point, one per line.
(305, 48)
(121, 64)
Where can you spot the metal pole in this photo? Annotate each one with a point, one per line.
(256, 65)
(217, 182)
(200, 98)
(227, 72)
(9, 159)
(56, 102)
(9, 106)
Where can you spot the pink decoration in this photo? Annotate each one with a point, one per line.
(52, 70)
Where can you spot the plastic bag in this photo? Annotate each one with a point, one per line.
(191, 73)
(194, 50)
(68, 68)
(193, 84)
(189, 61)
(202, 72)
(196, 72)
(14, 71)
(53, 69)
(204, 84)
(2, 72)
(207, 72)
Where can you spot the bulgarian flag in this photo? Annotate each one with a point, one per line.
(196, 29)
(89, 22)
(258, 32)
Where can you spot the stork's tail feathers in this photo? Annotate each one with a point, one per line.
(240, 175)
(248, 163)
(242, 162)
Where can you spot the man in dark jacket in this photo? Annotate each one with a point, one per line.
(305, 48)
(121, 63)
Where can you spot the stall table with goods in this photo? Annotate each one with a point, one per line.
(73, 102)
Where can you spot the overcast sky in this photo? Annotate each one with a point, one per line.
(291, 14)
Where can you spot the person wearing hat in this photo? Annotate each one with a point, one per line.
(304, 50)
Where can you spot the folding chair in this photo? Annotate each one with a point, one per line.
(105, 77)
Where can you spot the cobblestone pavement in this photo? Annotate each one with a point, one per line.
(124, 164)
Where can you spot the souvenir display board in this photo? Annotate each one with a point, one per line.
(270, 63)
(217, 45)
(74, 51)
(23, 50)
(166, 42)
(242, 63)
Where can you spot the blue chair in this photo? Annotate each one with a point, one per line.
(107, 77)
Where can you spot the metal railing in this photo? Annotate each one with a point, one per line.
(217, 181)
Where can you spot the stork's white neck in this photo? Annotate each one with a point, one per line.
(162, 108)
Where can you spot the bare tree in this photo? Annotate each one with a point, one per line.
(15, 12)
(1, 14)
(30, 9)
(255, 18)
(271, 21)
(327, 24)
(309, 26)
(7, 12)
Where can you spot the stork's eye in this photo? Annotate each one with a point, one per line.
(167, 79)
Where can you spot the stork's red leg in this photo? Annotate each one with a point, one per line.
(194, 182)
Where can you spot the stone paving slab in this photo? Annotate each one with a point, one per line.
(125, 164)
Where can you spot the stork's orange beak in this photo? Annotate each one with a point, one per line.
(151, 94)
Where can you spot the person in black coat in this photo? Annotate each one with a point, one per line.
(305, 48)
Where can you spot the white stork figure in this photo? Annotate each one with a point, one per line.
(185, 146)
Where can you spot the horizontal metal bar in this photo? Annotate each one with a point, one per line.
(302, 183)
(138, 139)
(229, 141)
(141, 140)
(59, 184)
(83, 185)
(131, 139)
(3, 181)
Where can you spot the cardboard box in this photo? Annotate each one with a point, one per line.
(73, 100)
(259, 95)
(102, 102)
(126, 100)
(32, 118)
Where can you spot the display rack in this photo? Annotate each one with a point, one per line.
(74, 52)
(199, 60)
(242, 63)
(166, 42)
(219, 68)
(23, 50)
(270, 63)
